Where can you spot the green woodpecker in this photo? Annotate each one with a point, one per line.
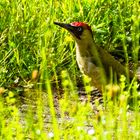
(93, 60)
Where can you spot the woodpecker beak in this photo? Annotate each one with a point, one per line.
(70, 28)
(64, 25)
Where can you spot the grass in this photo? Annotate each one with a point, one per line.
(38, 63)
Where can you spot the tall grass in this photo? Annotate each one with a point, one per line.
(39, 75)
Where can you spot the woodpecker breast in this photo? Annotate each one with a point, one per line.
(84, 63)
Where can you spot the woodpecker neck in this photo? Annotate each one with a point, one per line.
(83, 46)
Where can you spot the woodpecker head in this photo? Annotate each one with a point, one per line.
(80, 31)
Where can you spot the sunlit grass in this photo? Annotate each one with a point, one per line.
(39, 75)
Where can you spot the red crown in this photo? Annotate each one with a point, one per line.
(81, 24)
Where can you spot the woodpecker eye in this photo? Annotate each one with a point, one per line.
(79, 29)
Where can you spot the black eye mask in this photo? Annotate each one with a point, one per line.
(77, 31)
